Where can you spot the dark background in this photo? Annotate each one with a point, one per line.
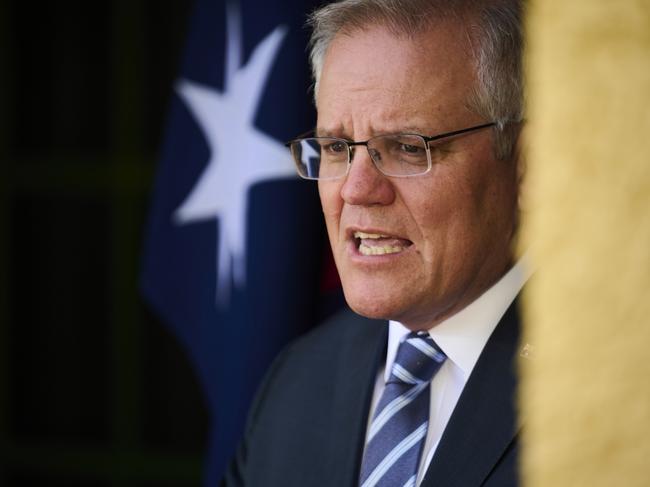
(94, 390)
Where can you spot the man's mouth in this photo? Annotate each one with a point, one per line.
(379, 244)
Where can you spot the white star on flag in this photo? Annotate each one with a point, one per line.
(240, 155)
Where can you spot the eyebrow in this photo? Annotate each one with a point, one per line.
(321, 132)
(411, 129)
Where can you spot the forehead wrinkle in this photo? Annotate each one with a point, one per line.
(363, 104)
(393, 121)
(353, 116)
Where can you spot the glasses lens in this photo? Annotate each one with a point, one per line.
(320, 157)
(400, 155)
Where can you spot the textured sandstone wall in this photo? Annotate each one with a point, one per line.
(586, 392)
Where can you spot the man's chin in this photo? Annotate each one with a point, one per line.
(398, 305)
(377, 305)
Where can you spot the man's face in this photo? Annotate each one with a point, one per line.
(448, 232)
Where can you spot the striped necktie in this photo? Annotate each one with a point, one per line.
(399, 426)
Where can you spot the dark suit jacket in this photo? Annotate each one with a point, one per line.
(307, 425)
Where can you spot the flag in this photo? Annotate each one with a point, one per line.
(233, 257)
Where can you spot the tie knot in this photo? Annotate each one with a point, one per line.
(418, 359)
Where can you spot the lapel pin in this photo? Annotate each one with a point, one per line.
(527, 351)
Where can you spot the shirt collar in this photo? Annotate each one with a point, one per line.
(463, 336)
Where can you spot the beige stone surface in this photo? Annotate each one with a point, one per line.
(585, 397)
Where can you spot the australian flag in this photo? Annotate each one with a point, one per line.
(235, 246)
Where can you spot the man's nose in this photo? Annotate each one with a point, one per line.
(364, 184)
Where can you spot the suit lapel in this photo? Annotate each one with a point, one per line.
(362, 350)
(483, 422)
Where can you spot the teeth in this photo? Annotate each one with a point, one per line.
(366, 250)
(377, 249)
(369, 235)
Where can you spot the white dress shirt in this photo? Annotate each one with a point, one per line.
(462, 338)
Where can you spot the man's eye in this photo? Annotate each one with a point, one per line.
(411, 149)
(335, 147)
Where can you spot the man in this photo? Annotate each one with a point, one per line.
(419, 104)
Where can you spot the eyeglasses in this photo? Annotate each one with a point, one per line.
(399, 155)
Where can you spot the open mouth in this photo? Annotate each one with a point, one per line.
(379, 244)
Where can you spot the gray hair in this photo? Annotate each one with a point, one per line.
(495, 31)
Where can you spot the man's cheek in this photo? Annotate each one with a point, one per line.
(331, 205)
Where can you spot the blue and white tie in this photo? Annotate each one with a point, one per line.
(399, 426)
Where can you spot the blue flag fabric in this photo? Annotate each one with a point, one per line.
(234, 249)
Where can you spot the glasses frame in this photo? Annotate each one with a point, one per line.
(351, 143)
